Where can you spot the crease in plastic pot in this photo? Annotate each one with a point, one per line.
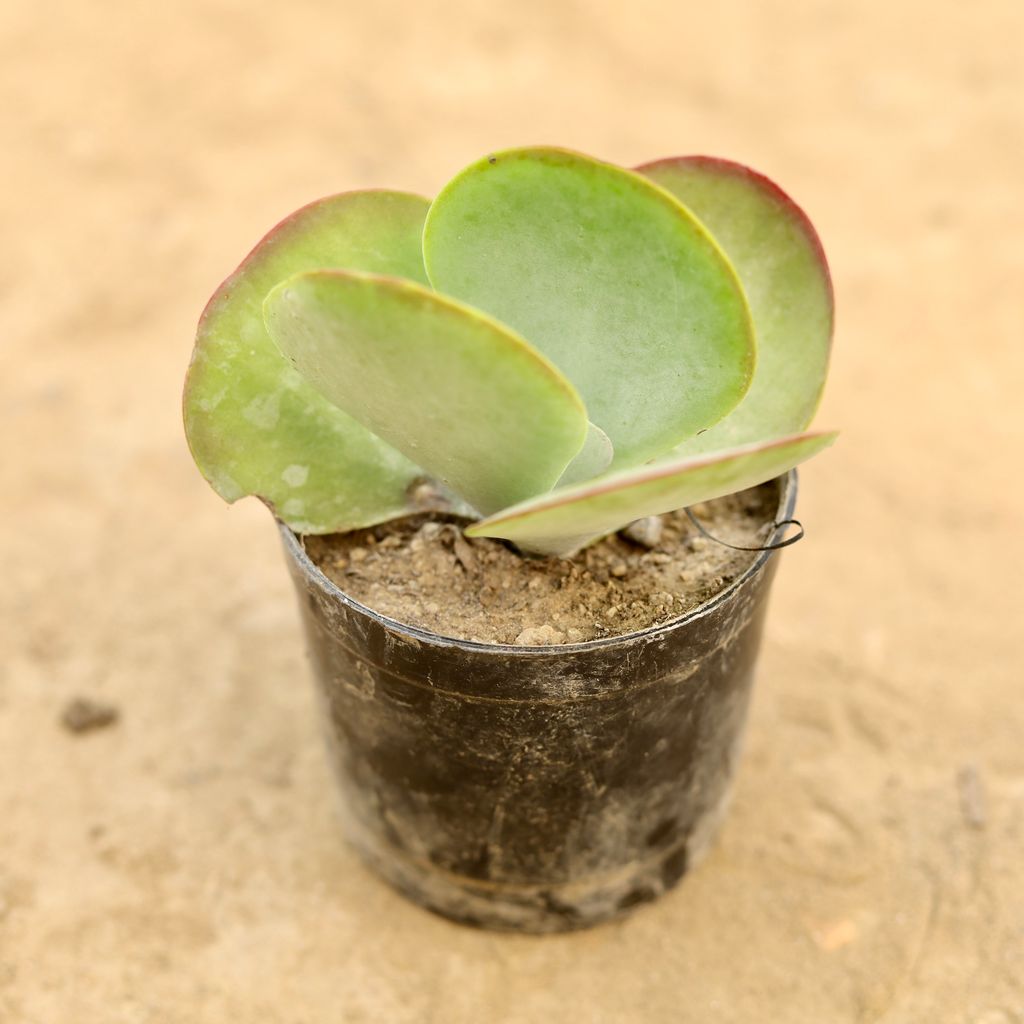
(534, 789)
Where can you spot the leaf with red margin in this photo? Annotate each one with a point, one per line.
(565, 520)
(253, 424)
(472, 402)
(781, 263)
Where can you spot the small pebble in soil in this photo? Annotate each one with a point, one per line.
(646, 532)
(427, 495)
(85, 715)
(463, 551)
(540, 636)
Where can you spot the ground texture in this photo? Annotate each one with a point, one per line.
(183, 863)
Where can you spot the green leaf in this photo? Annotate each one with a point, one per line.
(593, 458)
(253, 424)
(451, 388)
(780, 261)
(611, 278)
(565, 520)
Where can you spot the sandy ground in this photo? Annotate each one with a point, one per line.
(185, 865)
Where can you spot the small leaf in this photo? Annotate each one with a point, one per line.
(780, 261)
(565, 520)
(253, 424)
(593, 458)
(453, 389)
(611, 278)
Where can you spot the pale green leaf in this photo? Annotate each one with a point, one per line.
(561, 522)
(780, 261)
(253, 424)
(611, 278)
(470, 401)
(591, 460)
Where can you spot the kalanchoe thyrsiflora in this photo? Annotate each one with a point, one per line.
(553, 347)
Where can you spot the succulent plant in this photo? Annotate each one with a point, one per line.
(554, 347)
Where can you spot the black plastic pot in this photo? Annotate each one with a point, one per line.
(534, 789)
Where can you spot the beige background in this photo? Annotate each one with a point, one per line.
(185, 866)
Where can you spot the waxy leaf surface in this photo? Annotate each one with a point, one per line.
(780, 261)
(470, 401)
(591, 460)
(253, 424)
(563, 521)
(611, 278)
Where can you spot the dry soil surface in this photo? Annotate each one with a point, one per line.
(423, 572)
(181, 863)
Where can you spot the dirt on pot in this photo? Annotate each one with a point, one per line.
(424, 572)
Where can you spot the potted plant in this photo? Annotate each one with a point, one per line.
(459, 404)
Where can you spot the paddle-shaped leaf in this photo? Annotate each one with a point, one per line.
(780, 261)
(563, 521)
(253, 424)
(470, 401)
(611, 278)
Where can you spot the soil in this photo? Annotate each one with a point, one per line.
(424, 572)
